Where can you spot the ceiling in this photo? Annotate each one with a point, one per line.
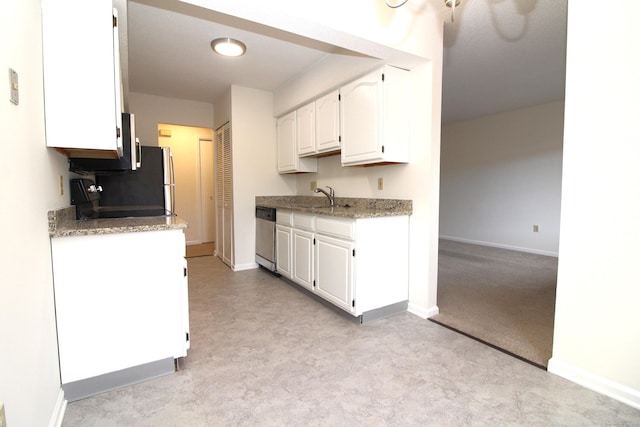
(499, 54)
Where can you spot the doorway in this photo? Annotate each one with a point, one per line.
(499, 228)
(194, 163)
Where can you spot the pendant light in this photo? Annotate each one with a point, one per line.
(449, 3)
(452, 4)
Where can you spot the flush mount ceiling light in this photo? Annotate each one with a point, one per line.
(226, 46)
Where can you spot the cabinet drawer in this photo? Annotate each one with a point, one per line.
(284, 217)
(304, 221)
(336, 227)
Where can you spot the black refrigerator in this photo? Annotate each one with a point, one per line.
(147, 191)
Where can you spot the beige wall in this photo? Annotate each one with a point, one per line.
(29, 374)
(597, 323)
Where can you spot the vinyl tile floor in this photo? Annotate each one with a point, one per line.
(263, 353)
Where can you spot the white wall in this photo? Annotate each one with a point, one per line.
(151, 110)
(597, 321)
(29, 374)
(253, 141)
(500, 175)
(222, 108)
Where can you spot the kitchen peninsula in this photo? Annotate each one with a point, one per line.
(353, 254)
(121, 299)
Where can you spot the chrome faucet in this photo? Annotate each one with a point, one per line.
(330, 195)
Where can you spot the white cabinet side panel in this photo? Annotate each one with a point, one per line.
(382, 259)
(116, 300)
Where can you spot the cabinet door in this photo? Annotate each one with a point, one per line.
(334, 271)
(306, 129)
(287, 151)
(283, 250)
(81, 78)
(328, 122)
(224, 195)
(361, 119)
(303, 258)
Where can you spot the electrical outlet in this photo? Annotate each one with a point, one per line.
(380, 184)
(61, 185)
(313, 185)
(536, 228)
(3, 418)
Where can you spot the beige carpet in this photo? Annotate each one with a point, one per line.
(501, 297)
(204, 249)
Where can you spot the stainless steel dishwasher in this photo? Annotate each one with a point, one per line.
(266, 237)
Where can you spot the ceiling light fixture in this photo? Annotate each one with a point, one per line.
(449, 3)
(398, 4)
(226, 46)
(452, 4)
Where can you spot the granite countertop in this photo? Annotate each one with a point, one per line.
(346, 207)
(62, 223)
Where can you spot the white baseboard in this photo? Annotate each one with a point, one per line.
(501, 246)
(58, 411)
(601, 385)
(421, 311)
(248, 266)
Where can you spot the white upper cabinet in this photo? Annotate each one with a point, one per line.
(306, 129)
(82, 82)
(318, 125)
(374, 118)
(288, 160)
(328, 123)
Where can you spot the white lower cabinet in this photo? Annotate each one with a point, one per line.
(284, 243)
(334, 271)
(283, 250)
(121, 301)
(359, 265)
(303, 241)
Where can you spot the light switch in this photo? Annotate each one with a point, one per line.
(380, 184)
(13, 82)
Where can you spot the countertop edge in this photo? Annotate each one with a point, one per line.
(62, 224)
(354, 208)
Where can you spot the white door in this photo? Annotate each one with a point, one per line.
(306, 129)
(361, 119)
(334, 271)
(287, 149)
(328, 122)
(283, 250)
(207, 191)
(224, 195)
(303, 258)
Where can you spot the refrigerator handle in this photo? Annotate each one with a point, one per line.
(172, 179)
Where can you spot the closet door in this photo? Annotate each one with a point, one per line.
(224, 195)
